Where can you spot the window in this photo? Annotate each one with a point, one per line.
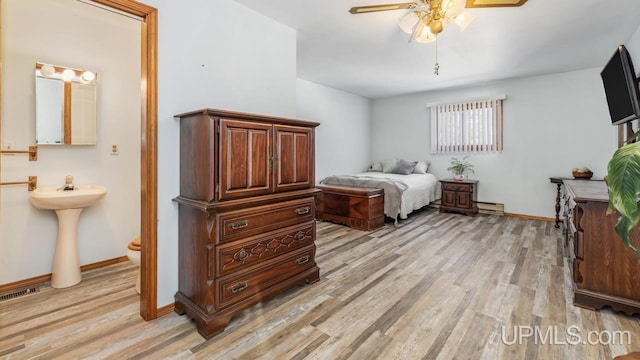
(470, 126)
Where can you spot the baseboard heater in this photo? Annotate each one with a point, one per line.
(488, 208)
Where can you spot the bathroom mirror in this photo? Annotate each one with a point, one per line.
(65, 105)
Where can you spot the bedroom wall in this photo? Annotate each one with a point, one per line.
(552, 124)
(633, 46)
(343, 139)
(217, 54)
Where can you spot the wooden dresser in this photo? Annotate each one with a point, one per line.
(605, 272)
(246, 212)
(459, 196)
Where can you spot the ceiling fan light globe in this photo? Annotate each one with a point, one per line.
(425, 36)
(454, 8)
(408, 22)
(464, 20)
(426, 32)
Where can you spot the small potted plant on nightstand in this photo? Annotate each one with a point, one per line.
(460, 167)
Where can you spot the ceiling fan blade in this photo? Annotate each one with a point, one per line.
(494, 3)
(382, 7)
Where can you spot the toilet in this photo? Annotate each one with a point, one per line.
(133, 253)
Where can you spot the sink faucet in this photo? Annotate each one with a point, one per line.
(68, 183)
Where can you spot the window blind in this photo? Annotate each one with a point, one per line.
(470, 126)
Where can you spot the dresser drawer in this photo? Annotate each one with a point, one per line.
(238, 224)
(457, 187)
(236, 288)
(232, 257)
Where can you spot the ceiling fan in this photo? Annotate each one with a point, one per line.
(427, 17)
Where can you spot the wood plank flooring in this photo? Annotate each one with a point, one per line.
(439, 286)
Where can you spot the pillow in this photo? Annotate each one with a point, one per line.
(422, 167)
(404, 167)
(376, 166)
(388, 165)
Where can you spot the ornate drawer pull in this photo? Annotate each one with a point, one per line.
(300, 236)
(239, 224)
(303, 210)
(303, 260)
(242, 255)
(238, 287)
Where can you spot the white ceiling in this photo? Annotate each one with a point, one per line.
(369, 55)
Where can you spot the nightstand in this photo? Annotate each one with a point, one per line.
(459, 196)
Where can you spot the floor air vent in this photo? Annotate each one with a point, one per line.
(15, 294)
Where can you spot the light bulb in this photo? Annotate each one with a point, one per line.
(426, 36)
(47, 70)
(88, 76)
(68, 74)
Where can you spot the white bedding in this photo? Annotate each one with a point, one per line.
(422, 190)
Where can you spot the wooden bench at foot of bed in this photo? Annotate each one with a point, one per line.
(359, 208)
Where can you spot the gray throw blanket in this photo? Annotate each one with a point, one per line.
(393, 189)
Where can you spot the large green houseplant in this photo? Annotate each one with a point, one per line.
(623, 180)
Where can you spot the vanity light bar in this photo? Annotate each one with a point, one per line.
(108, 8)
(66, 74)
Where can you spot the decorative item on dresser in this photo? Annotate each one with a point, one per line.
(459, 196)
(246, 212)
(582, 173)
(605, 271)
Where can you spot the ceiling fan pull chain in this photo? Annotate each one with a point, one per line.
(436, 67)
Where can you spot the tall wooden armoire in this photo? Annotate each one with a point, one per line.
(246, 212)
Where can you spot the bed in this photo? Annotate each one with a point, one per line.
(403, 193)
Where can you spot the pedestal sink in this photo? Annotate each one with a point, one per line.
(68, 205)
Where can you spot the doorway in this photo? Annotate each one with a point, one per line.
(148, 150)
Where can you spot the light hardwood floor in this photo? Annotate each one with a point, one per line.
(440, 286)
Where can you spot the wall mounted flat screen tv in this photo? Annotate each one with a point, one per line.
(621, 87)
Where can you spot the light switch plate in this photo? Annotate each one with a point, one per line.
(115, 150)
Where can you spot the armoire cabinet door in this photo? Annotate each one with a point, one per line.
(245, 152)
(294, 162)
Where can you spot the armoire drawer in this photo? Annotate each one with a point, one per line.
(236, 256)
(239, 224)
(236, 288)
